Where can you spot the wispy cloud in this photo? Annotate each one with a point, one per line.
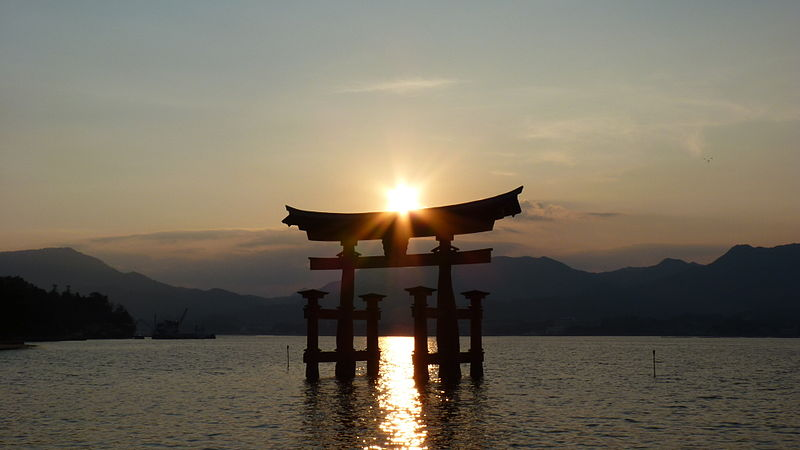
(201, 243)
(643, 117)
(174, 236)
(540, 211)
(604, 214)
(549, 212)
(562, 158)
(266, 262)
(401, 86)
(579, 129)
(501, 173)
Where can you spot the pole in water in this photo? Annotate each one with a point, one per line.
(287, 357)
(654, 363)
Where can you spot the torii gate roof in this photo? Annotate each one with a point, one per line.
(441, 221)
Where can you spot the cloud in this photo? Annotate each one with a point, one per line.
(182, 246)
(242, 238)
(550, 212)
(604, 214)
(554, 157)
(640, 255)
(694, 142)
(578, 129)
(269, 262)
(401, 86)
(501, 173)
(642, 117)
(540, 211)
(174, 236)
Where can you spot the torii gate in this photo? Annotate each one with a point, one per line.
(395, 229)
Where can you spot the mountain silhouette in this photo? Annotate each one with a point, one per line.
(215, 309)
(748, 291)
(755, 281)
(636, 276)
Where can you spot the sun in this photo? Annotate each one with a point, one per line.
(402, 198)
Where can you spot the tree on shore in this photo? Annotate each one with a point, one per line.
(30, 313)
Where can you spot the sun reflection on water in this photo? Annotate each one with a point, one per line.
(398, 397)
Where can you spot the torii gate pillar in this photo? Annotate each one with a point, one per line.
(419, 310)
(346, 364)
(475, 332)
(373, 314)
(446, 319)
(311, 312)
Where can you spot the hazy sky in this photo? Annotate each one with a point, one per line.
(628, 122)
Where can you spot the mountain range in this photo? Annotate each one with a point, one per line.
(748, 291)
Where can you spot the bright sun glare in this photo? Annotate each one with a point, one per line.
(402, 198)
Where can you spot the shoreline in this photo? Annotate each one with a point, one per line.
(14, 345)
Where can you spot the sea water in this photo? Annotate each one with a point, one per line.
(248, 391)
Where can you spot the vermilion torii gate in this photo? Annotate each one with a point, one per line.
(395, 230)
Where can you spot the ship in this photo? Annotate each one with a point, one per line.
(171, 329)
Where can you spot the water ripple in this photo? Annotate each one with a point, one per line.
(237, 392)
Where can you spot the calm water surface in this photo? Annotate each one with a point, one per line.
(237, 392)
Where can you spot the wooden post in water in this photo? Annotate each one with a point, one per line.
(311, 313)
(373, 350)
(475, 332)
(345, 353)
(654, 363)
(446, 317)
(419, 312)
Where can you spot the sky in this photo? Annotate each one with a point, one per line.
(632, 125)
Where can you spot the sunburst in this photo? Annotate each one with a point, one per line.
(402, 198)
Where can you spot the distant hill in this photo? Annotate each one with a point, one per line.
(754, 281)
(217, 310)
(637, 276)
(746, 292)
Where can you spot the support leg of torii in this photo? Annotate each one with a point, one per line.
(345, 362)
(447, 320)
(419, 312)
(373, 349)
(311, 312)
(475, 333)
